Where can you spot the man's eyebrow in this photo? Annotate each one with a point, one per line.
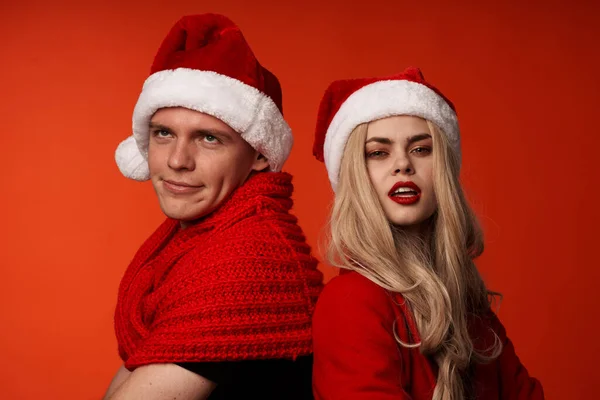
(213, 132)
(154, 125)
(202, 131)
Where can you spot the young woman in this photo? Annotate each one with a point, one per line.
(217, 303)
(409, 317)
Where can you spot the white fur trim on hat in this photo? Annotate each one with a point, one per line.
(244, 108)
(380, 100)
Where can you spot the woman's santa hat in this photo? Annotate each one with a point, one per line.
(205, 64)
(349, 103)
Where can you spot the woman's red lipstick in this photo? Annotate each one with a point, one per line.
(405, 193)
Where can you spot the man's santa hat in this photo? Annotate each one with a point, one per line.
(205, 64)
(349, 103)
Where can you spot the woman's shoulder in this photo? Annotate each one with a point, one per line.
(349, 283)
(354, 326)
(351, 292)
(485, 326)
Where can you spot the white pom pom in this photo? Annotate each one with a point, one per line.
(130, 161)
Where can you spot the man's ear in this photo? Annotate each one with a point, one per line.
(260, 163)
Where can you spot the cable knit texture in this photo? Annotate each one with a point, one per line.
(240, 284)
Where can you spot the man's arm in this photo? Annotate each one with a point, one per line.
(120, 377)
(158, 382)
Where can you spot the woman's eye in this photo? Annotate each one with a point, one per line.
(421, 150)
(376, 154)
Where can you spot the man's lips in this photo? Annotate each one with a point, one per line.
(178, 187)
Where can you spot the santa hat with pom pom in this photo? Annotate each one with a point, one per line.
(205, 64)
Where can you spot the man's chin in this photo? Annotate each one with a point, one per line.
(186, 215)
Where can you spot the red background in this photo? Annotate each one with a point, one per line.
(524, 79)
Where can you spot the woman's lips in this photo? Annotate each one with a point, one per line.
(405, 193)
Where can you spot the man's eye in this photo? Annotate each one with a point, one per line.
(161, 133)
(211, 139)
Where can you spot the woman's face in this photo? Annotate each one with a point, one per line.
(399, 157)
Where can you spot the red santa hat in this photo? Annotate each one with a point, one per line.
(205, 64)
(349, 103)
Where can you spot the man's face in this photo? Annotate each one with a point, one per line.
(196, 161)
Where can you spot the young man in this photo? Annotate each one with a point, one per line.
(217, 303)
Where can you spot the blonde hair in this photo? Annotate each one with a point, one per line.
(434, 272)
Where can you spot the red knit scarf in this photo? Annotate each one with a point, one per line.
(240, 284)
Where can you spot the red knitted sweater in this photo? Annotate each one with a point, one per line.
(240, 284)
